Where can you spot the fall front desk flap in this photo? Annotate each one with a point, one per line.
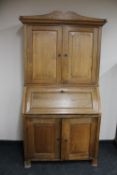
(40, 100)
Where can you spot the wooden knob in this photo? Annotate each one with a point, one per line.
(65, 55)
(65, 140)
(59, 55)
(62, 91)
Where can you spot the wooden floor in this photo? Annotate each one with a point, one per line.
(11, 162)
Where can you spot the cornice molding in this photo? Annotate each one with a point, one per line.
(59, 17)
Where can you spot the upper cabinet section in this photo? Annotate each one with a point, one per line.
(62, 49)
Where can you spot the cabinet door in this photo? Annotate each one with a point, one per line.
(78, 138)
(43, 46)
(80, 60)
(42, 138)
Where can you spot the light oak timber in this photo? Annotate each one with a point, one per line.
(44, 100)
(80, 59)
(61, 101)
(46, 130)
(68, 64)
(58, 17)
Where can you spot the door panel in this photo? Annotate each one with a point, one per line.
(79, 58)
(78, 138)
(44, 55)
(75, 132)
(80, 52)
(43, 64)
(43, 138)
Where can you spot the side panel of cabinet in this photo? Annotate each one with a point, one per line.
(42, 138)
(116, 137)
(79, 138)
(80, 57)
(43, 47)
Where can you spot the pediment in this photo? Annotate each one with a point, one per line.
(59, 16)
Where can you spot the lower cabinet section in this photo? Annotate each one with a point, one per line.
(55, 138)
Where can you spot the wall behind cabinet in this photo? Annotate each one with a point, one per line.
(11, 59)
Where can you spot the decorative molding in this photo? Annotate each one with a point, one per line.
(58, 17)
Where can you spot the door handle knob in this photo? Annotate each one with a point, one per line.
(59, 55)
(58, 139)
(65, 140)
(65, 55)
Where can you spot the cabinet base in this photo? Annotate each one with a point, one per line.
(94, 163)
(27, 164)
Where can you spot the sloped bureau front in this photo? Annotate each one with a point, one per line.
(61, 103)
(61, 100)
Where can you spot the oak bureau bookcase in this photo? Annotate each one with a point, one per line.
(61, 104)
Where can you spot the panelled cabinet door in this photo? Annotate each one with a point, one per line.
(42, 139)
(78, 138)
(43, 46)
(79, 63)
